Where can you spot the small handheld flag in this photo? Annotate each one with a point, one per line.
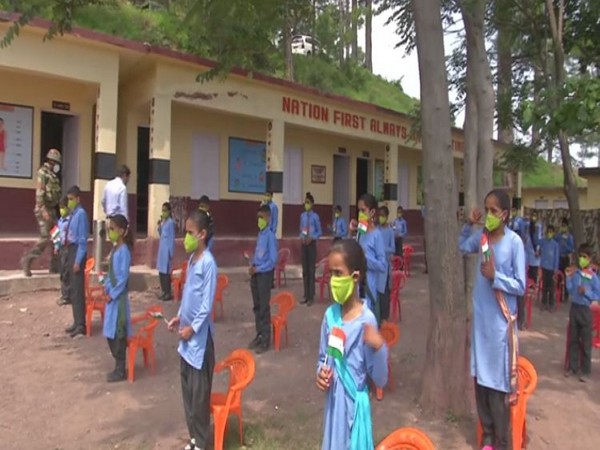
(158, 315)
(363, 225)
(586, 275)
(486, 253)
(247, 258)
(336, 342)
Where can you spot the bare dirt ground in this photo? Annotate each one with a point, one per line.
(53, 393)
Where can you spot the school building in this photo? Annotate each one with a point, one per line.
(104, 101)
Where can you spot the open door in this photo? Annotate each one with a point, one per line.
(341, 183)
(143, 165)
(70, 149)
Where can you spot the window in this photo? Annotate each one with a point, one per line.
(205, 166)
(541, 204)
(292, 176)
(561, 204)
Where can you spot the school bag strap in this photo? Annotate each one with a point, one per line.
(361, 434)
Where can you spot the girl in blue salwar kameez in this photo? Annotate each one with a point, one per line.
(493, 335)
(117, 321)
(166, 248)
(343, 375)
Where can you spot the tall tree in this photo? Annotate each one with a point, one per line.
(369, 35)
(445, 357)
(355, 16)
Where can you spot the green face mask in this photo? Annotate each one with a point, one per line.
(337, 215)
(113, 235)
(262, 223)
(307, 206)
(363, 217)
(72, 204)
(382, 220)
(584, 262)
(564, 229)
(341, 288)
(165, 215)
(190, 243)
(492, 222)
(550, 235)
(64, 212)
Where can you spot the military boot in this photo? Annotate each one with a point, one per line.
(26, 265)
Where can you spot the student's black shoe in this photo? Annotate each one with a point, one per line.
(303, 301)
(160, 296)
(191, 445)
(254, 343)
(63, 301)
(569, 373)
(116, 376)
(78, 331)
(309, 302)
(262, 347)
(70, 329)
(584, 378)
(167, 298)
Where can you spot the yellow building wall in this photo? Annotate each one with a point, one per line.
(531, 195)
(28, 89)
(593, 192)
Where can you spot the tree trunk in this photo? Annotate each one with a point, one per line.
(443, 381)
(342, 31)
(347, 29)
(287, 42)
(354, 15)
(504, 45)
(369, 36)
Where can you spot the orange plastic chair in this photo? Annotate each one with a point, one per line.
(408, 251)
(406, 439)
(178, 281)
(526, 383)
(397, 262)
(531, 294)
(283, 257)
(95, 297)
(285, 302)
(391, 333)
(323, 279)
(559, 288)
(242, 367)
(398, 283)
(222, 284)
(143, 339)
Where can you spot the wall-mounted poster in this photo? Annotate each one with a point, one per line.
(379, 179)
(16, 141)
(247, 166)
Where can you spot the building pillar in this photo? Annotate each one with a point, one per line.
(159, 176)
(390, 178)
(105, 146)
(275, 157)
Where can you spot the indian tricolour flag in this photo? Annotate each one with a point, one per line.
(335, 345)
(55, 234)
(485, 248)
(363, 226)
(586, 275)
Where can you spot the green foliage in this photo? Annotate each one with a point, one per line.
(545, 174)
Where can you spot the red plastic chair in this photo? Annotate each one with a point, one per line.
(408, 251)
(324, 277)
(95, 297)
(285, 302)
(222, 284)
(242, 368)
(526, 383)
(531, 293)
(398, 283)
(391, 333)
(283, 257)
(178, 281)
(406, 439)
(559, 288)
(397, 263)
(143, 339)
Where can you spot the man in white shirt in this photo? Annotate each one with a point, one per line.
(114, 199)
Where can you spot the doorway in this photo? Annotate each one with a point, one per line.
(143, 166)
(341, 183)
(362, 177)
(61, 131)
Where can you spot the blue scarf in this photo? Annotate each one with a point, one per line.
(361, 434)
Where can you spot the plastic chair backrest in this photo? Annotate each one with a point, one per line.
(406, 439)
(559, 278)
(531, 285)
(285, 302)
(408, 249)
(242, 369)
(396, 262)
(391, 333)
(89, 265)
(398, 280)
(222, 283)
(283, 256)
(526, 377)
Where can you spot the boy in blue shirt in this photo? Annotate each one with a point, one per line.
(77, 236)
(339, 229)
(549, 254)
(387, 233)
(204, 205)
(584, 288)
(61, 250)
(268, 200)
(566, 244)
(261, 273)
(400, 230)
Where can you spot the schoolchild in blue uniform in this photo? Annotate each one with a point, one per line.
(310, 233)
(274, 211)
(204, 205)
(498, 282)
(261, 279)
(195, 329)
(166, 248)
(117, 316)
(400, 231)
(516, 222)
(549, 256)
(533, 237)
(371, 240)
(584, 288)
(351, 351)
(77, 237)
(567, 247)
(340, 227)
(63, 252)
(389, 243)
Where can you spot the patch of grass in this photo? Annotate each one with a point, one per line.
(546, 174)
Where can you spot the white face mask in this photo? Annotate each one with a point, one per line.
(56, 168)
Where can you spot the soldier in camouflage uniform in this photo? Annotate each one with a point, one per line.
(47, 196)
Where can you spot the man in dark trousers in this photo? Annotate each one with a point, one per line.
(77, 236)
